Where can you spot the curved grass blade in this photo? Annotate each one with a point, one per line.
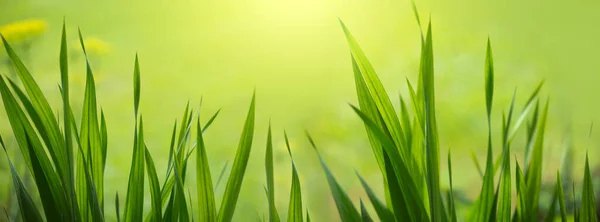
(346, 209)
(154, 187)
(295, 206)
(533, 174)
(236, 177)
(117, 208)
(206, 198)
(273, 215)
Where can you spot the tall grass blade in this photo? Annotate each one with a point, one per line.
(206, 198)
(451, 203)
(134, 204)
(273, 215)
(295, 205)
(239, 167)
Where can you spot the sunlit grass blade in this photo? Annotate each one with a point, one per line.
(206, 198)
(154, 187)
(588, 202)
(67, 118)
(136, 86)
(364, 213)
(273, 215)
(436, 208)
(525, 112)
(344, 205)
(505, 194)
(485, 203)
(379, 96)
(29, 211)
(382, 211)
(561, 197)
(236, 177)
(477, 165)
(295, 205)
(451, 203)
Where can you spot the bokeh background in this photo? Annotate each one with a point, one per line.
(294, 54)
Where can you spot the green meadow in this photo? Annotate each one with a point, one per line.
(283, 110)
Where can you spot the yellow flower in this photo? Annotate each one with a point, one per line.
(93, 46)
(18, 32)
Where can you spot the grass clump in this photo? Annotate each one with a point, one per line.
(68, 163)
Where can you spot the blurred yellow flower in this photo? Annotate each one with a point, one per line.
(93, 46)
(21, 31)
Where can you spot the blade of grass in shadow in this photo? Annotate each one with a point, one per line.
(533, 175)
(39, 102)
(382, 211)
(344, 205)
(27, 207)
(364, 214)
(135, 193)
(273, 215)
(451, 205)
(561, 197)
(295, 205)
(236, 177)
(206, 198)
(117, 208)
(522, 208)
(588, 202)
(406, 183)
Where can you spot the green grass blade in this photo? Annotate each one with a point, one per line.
(451, 205)
(40, 165)
(505, 193)
(533, 174)
(206, 197)
(523, 210)
(136, 85)
(273, 215)
(379, 96)
(489, 79)
(588, 202)
(67, 118)
(406, 183)
(364, 213)
(431, 137)
(29, 211)
(525, 112)
(236, 177)
(344, 205)
(135, 187)
(154, 187)
(295, 205)
(117, 208)
(561, 197)
(382, 211)
(39, 102)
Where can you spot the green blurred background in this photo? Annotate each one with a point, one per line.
(294, 54)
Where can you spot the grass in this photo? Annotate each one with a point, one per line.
(67, 161)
